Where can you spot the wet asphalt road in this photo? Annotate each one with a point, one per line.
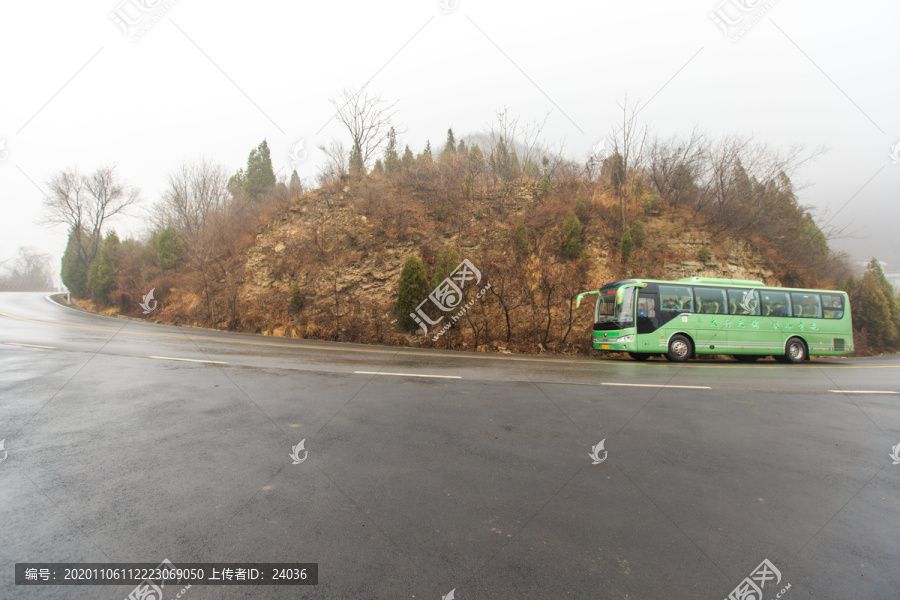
(477, 481)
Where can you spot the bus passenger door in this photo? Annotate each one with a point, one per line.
(648, 320)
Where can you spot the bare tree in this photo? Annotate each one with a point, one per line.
(196, 192)
(367, 119)
(506, 285)
(628, 146)
(531, 145)
(86, 202)
(335, 168)
(675, 164)
(559, 169)
(735, 163)
(502, 156)
(29, 269)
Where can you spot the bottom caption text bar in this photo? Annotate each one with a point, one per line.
(167, 573)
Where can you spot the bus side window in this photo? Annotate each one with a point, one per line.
(676, 298)
(806, 305)
(743, 302)
(832, 306)
(775, 304)
(710, 300)
(646, 306)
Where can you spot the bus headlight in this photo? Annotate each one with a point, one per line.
(625, 338)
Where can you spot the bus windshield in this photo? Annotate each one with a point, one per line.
(615, 309)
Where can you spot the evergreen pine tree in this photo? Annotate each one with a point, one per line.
(447, 261)
(236, 183)
(413, 288)
(520, 239)
(876, 313)
(504, 161)
(295, 184)
(357, 168)
(476, 159)
(626, 245)
(450, 144)
(407, 161)
(169, 248)
(102, 274)
(391, 158)
(260, 174)
(571, 236)
(74, 267)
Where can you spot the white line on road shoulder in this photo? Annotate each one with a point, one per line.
(31, 346)
(863, 392)
(653, 385)
(211, 362)
(408, 375)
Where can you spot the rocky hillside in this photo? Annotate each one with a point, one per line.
(249, 253)
(329, 265)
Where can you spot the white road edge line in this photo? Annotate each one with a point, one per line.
(408, 375)
(211, 362)
(863, 392)
(654, 385)
(31, 345)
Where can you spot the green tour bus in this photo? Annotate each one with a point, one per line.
(701, 315)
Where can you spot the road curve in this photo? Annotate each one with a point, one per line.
(430, 471)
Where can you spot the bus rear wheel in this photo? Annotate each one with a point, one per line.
(638, 355)
(680, 348)
(795, 351)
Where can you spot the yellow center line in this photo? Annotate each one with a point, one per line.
(31, 346)
(660, 385)
(483, 356)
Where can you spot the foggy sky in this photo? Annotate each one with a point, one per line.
(198, 78)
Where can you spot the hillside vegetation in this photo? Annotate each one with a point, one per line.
(250, 253)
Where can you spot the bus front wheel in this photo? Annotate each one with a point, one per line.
(680, 348)
(795, 351)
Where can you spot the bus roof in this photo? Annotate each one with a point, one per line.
(617, 284)
(712, 281)
(719, 281)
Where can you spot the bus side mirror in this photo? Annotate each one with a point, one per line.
(581, 296)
